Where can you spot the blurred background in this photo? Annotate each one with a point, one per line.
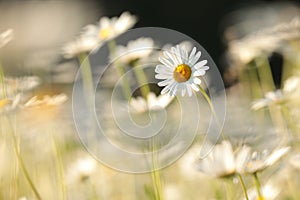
(42, 27)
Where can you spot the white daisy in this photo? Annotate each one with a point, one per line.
(20, 84)
(153, 102)
(47, 100)
(258, 161)
(135, 50)
(180, 71)
(270, 98)
(93, 36)
(10, 104)
(269, 192)
(6, 37)
(110, 28)
(223, 162)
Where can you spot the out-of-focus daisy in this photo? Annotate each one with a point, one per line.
(109, 28)
(268, 191)
(20, 84)
(134, 51)
(290, 93)
(9, 104)
(264, 41)
(270, 98)
(223, 162)
(258, 161)
(47, 100)
(81, 170)
(179, 71)
(153, 102)
(6, 37)
(82, 44)
(93, 36)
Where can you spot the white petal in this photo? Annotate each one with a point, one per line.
(163, 76)
(192, 53)
(165, 82)
(162, 69)
(166, 62)
(197, 81)
(176, 56)
(200, 64)
(189, 90)
(195, 58)
(199, 73)
(195, 87)
(183, 91)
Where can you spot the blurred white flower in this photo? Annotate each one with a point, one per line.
(270, 98)
(134, 51)
(9, 104)
(47, 100)
(153, 102)
(20, 84)
(81, 170)
(223, 162)
(258, 161)
(289, 94)
(82, 44)
(264, 41)
(6, 37)
(93, 36)
(180, 71)
(269, 192)
(172, 192)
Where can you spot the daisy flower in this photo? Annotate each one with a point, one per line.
(270, 98)
(223, 162)
(269, 192)
(153, 102)
(93, 36)
(134, 51)
(258, 161)
(6, 37)
(179, 71)
(47, 100)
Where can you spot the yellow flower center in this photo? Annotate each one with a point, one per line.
(260, 198)
(104, 33)
(4, 102)
(182, 73)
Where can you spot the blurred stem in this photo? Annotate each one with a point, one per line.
(265, 74)
(20, 160)
(4, 93)
(60, 168)
(87, 76)
(142, 79)
(125, 83)
(254, 82)
(257, 185)
(207, 98)
(243, 186)
(156, 178)
(290, 121)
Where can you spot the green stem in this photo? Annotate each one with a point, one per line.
(22, 165)
(155, 174)
(207, 98)
(254, 82)
(4, 92)
(142, 79)
(289, 120)
(60, 168)
(125, 83)
(243, 186)
(257, 185)
(265, 75)
(87, 76)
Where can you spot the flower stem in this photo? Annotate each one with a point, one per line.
(4, 93)
(22, 165)
(243, 186)
(257, 185)
(265, 75)
(125, 83)
(207, 98)
(155, 174)
(142, 79)
(87, 76)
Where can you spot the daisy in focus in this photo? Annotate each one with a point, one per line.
(180, 71)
